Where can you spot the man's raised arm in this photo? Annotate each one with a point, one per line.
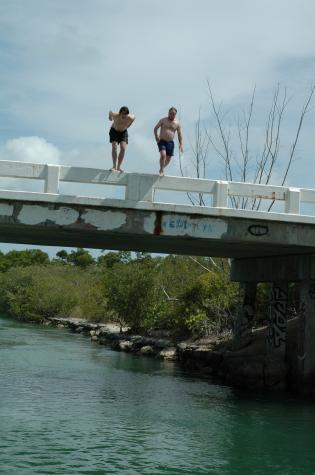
(112, 114)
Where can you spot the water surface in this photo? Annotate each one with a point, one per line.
(71, 407)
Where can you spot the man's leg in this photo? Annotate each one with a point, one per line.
(167, 160)
(114, 155)
(162, 161)
(168, 153)
(123, 146)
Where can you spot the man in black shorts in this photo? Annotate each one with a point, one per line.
(118, 134)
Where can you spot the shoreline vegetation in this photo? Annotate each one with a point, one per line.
(179, 308)
(181, 295)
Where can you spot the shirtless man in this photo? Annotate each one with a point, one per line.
(168, 126)
(118, 134)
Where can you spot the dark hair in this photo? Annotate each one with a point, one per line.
(173, 109)
(124, 110)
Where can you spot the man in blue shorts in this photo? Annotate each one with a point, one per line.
(165, 139)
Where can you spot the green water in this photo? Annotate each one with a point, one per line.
(71, 407)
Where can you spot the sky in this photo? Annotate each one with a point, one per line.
(65, 63)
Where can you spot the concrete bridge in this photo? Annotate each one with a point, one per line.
(276, 247)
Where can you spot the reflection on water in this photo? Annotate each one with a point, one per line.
(70, 407)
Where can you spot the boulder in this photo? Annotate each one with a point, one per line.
(169, 353)
(125, 345)
(147, 350)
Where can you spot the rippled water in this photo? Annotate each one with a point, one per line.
(71, 407)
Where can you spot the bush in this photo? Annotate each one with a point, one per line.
(208, 305)
(37, 292)
(132, 294)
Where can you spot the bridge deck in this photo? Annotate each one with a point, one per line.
(139, 223)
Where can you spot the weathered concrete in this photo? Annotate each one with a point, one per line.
(152, 228)
(290, 268)
(306, 345)
(245, 316)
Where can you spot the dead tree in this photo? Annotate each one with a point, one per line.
(239, 164)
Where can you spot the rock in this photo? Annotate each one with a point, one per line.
(125, 345)
(138, 341)
(147, 350)
(92, 332)
(168, 353)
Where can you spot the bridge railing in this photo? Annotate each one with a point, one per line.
(142, 187)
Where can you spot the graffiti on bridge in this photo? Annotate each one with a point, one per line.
(277, 327)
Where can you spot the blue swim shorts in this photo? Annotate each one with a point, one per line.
(167, 146)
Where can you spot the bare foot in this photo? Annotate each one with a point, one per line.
(120, 170)
(113, 169)
(161, 173)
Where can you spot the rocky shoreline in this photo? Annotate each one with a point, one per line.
(246, 368)
(203, 355)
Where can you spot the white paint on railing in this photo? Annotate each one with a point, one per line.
(52, 179)
(220, 199)
(293, 200)
(140, 188)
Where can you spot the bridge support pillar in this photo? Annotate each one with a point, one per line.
(306, 346)
(245, 315)
(277, 319)
(275, 367)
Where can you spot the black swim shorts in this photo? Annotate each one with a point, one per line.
(116, 136)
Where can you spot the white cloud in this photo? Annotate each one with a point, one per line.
(31, 149)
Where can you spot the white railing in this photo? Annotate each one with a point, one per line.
(141, 187)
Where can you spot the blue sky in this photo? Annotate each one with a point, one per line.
(64, 64)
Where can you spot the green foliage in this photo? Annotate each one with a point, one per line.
(38, 292)
(176, 273)
(63, 255)
(179, 293)
(207, 306)
(22, 259)
(79, 258)
(109, 259)
(132, 293)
